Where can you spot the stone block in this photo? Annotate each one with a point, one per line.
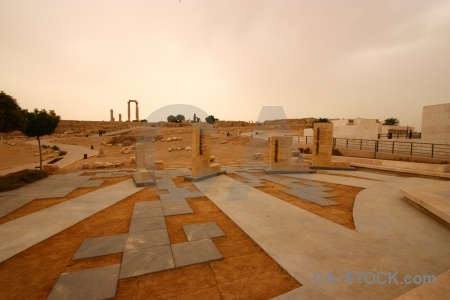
(133, 160)
(159, 164)
(98, 165)
(51, 168)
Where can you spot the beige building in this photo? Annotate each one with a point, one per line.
(366, 129)
(436, 124)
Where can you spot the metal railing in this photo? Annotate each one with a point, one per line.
(441, 151)
(411, 135)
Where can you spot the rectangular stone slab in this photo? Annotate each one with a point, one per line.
(144, 224)
(95, 283)
(147, 213)
(147, 239)
(178, 202)
(145, 261)
(311, 197)
(202, 231)
(101, 246)
(177, 210)
(195, 252)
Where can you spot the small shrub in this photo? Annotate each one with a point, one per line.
(61, 153)
(301, 150)
(307, 150)
(45, 146)
(54, 147)
(18, 179)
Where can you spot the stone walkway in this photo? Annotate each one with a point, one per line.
(309, 247)
(22, 233)
(54, 186)
(146, 248)
(74, 153)
(390, 236)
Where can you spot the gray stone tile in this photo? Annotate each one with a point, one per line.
(171, 197)
(195, 252)
(145, 261)
(147, 213)
(95, 283)
(177, 210)
(255, 185)
(145, 224)
(164, 185)
(92, 183)
(202, 231)
(177, 202)
(316, 198)
(147, 239)
(101, 246)
(194, 194)
(147, 204)
(178, 191)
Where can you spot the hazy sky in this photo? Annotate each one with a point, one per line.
(316, 58)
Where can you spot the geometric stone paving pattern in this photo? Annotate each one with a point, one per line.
(95, 283)
(310, 191)
(147, 247)
(53, 186)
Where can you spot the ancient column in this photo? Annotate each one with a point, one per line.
(137, 112)
(129, 111)
(111, 115)
(120, 117)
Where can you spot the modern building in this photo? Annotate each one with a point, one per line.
(367, 129)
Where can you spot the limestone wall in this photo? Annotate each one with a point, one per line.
(436, 124)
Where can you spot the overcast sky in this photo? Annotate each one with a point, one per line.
(315, 58)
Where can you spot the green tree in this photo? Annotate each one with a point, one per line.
(180, 118)
(12, 117)
(322, 120)
(38, 124)
(391, 121)
(172, 119)
(211, 120)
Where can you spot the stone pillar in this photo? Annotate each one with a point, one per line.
(137, 111)
(140, 155)
(111, 115)
(201, 137)
(141, 172)
(120, 117)
(322, 144)
(280, 152)
(129, 111)
(323, 148)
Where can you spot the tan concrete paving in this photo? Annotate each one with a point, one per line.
(310, 248)
(434, 198)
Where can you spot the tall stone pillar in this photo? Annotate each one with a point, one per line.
(120, 117)
(129, 111)
(141, 176)
(111, 113)
(137, 111)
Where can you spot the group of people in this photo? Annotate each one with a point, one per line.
(101, 132)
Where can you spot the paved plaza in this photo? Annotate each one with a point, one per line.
(391, 234)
